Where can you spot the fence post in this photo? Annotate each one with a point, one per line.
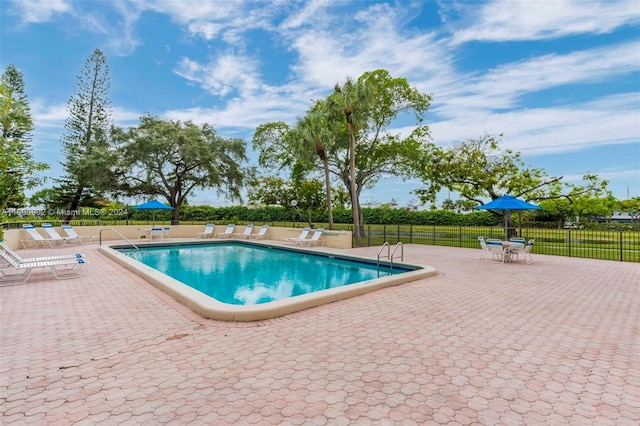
(569, 245)
(384, 232)
(410, 234)
(398, 233)
(459, 236)
(621, 250)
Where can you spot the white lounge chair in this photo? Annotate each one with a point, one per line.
(53, 234)
(314, 240)
(246, 234)
(227, 232)
(20, 259)
(68, 229)
(302, 236)
(61, 268)
(37, 239)
(264, 233)
(208, 231)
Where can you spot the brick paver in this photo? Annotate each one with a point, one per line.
(555, 342)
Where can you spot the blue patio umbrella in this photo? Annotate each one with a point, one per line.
(508, 202)
(153, 205)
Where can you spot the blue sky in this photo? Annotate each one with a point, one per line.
(560, 79)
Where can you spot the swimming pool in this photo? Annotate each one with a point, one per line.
(242, 274)
(253, 299)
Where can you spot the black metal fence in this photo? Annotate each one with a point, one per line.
(586, 243)
(594, 244)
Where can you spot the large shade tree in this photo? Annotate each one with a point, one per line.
(478, 169)
(170, 159)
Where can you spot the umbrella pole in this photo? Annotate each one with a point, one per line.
(520, 221)
(506, 224)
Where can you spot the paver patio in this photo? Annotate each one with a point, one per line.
(555, 342)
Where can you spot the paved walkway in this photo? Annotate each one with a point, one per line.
(555, 342)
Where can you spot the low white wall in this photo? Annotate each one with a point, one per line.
(335, 239)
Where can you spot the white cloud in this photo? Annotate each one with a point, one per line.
(505, 20)
(36, 11)
(227, 74)
(605, 121)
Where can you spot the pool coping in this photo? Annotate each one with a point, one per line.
(208, 307)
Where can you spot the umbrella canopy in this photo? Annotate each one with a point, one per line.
(153, 205)
(508, 202)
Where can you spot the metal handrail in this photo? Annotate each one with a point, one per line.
(122, 236)
(398, 244)
(386, 244)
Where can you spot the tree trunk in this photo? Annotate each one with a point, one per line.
(75, 203)
(327, 184)
(354, 187)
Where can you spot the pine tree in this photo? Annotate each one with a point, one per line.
(85, 141)
(17, 166)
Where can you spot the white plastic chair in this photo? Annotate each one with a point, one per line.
(21, 259)
(156, 232)
(264, 233)
(496, 250)
(53, 234)
(36, 238)
(483, 246)
(208, 231)
(227, 232)
(68, 229)
(246, 234)
(527, 252)
(61, 268)
(314, 240)
(302, 236)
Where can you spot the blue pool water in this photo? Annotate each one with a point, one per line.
(244, 274)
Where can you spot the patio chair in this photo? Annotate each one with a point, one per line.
(264, 233)
(527, 252)
(496, 250)
(516, 247)
(483, 247)
(68, 229)
(36, 238)
(208, 231)
(156, 232)
(61, 268)
(21, 259)
(53, 234)
(314, 240)
(302, 236)
(246, 234)
(165, 232)
(227, 232)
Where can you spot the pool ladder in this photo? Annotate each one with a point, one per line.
(390, 254)
(121, 236)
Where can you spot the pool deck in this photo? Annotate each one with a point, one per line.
(555, 342)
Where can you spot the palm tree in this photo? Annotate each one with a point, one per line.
(311, 134)
(349, 102)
